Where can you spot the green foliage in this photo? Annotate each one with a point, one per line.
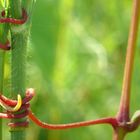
(75, 63)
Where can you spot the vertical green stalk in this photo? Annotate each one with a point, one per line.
(18, 43)
(4, 28)
(19, 40)
(1, 84)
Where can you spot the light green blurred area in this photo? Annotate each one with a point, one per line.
(75, 63)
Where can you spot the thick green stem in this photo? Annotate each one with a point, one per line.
(19, 43)
(19, 40)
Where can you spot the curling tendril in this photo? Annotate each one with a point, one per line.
(22, 109)
(6, 46)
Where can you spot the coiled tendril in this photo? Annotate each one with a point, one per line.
(6, 46)
(16, 109)
(25, 111)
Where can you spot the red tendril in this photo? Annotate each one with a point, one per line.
(21, 113)
(4, 19)
(25, 111)
(111, 121)
(13, 20)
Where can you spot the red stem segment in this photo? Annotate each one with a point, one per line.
(6, 46)
(111, 121)
(13, 20)
(123, 114)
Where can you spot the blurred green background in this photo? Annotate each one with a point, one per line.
(75, 63)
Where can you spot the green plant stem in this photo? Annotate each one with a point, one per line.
(19, 41)
(1, 83)
(123, 114)
(4, 28)
(18, 74)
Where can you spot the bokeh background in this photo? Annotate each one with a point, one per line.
(76, 58)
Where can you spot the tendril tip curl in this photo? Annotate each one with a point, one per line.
(12, 109)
